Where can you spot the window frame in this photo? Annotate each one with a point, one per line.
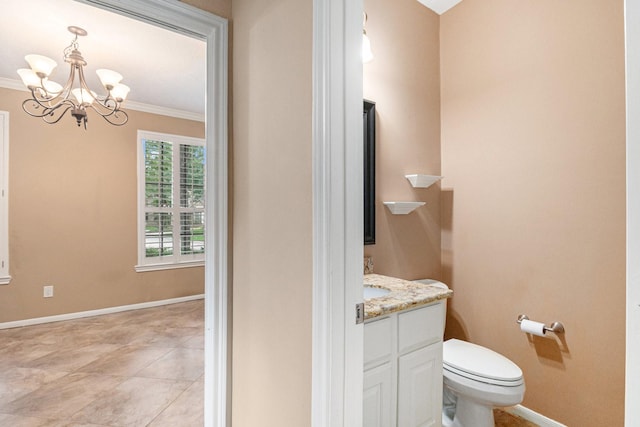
(176, 260)
(5, 278)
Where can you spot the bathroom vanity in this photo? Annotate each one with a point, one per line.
(403, 353)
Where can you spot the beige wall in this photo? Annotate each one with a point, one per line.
(272, 221)
(221, 8)
(72, 215)
(404, 82)
(270, 197)
(533, 154)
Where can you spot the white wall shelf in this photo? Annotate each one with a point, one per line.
(402, 208)
(422, 181)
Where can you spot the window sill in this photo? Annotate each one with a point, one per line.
(5, 280)
(168, 266)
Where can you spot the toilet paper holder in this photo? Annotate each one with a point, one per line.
(555, 327)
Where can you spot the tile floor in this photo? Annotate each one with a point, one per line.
(136, 368)
(505, 419)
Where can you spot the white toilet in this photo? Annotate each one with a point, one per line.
(476, 380)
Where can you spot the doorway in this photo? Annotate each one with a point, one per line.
(212, 29)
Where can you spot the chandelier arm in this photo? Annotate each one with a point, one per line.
(47, 110)
(81, 79)
(49, 103)
(116, 117)
(83, 84)
(48, 120)
(42, 102)
(49, 115)
(107, 110)
(36, 106)
(56, 101)
(107, 104)
(66, 90)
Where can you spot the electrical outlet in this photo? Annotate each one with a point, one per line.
(48, 291)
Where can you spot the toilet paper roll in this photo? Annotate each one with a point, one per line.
(531, 327)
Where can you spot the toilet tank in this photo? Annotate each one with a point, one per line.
(438, 285)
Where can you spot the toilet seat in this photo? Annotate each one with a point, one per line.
(480, 364)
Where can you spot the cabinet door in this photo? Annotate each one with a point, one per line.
(420, 387)
(377, 403)
(378, 342)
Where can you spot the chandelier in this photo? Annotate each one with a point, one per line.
(50, 100)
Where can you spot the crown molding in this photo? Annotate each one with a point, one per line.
(12, 84)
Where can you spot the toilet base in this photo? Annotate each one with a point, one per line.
(469, 414)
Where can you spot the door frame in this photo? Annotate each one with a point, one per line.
(5, 277)
(337, 341)
(632, 54)
(199, 24)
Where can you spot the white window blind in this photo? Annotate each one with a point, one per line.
(171, 198)
(4, 198)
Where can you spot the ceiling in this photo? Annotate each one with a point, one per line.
(162, 68)
(439, 6)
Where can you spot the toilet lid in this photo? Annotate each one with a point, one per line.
(479, 361)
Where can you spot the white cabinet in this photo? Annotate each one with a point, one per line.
(420, 387)
(376, 400)
(403, 368)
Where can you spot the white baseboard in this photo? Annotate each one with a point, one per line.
(99, 312)
(533, 416)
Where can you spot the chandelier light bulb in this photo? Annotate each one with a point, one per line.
(29, 77)
(120, 92)
(41, 65)
(109, 78)
(83, 96)
(52, 87)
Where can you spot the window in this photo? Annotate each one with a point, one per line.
(171, 201)
(4, 198)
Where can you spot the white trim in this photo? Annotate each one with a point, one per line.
(168, 266)
(129, 105)
(164, 111)
(195, 22)
(98, 312)
(322, 406)
(532, 416)
(12, 84)
(337, 367)
(170, 137)
(5, 278)
(632, 372)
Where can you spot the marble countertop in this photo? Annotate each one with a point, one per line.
(404, 294)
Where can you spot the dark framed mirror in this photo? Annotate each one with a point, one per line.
(369, 123)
